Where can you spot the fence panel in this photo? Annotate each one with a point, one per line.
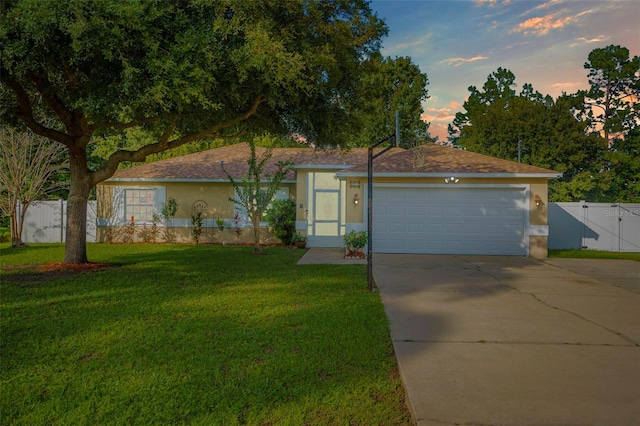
(565, 226)
(594, 226)
(46, 222)
(629, 215)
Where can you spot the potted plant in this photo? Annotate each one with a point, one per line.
(355, 242)
(300, 240)
(220, 224)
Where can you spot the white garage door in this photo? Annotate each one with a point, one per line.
(449, 220)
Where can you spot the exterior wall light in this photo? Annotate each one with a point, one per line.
(356, 199)
(538, 201)
(452, 179)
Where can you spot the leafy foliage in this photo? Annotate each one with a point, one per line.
(388, 85)
(624, 167)
(590, 136)
(355, 239)
(281, 216)
(169, 209)
(615, 90)
(168, 212)
(180, 71)
(197, 222)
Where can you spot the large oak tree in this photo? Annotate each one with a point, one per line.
(181, 70)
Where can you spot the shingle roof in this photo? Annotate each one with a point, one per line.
(211, 164)
(440, 160)
(204, 165)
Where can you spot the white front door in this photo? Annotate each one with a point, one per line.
(326, 218)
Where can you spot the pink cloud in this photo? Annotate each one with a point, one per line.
(438, 115)
(541, 25)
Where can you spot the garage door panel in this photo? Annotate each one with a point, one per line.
(449, 221)
(398, 228)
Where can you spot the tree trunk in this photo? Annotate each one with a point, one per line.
(256, 235)
(76, 236)
(16, 238)
(20, 224)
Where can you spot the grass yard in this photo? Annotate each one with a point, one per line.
(202, 335)
(594, 254)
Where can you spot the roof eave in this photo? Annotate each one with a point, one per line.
(347, 173)
(171, 180)
(323, 166)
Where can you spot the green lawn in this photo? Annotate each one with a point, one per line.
(594, 254)
(193, 335)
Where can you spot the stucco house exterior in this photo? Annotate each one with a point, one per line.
(431, 199)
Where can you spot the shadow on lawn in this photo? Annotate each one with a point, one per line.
(218, 335)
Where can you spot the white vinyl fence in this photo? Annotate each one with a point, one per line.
(594, 226)
(46, 222)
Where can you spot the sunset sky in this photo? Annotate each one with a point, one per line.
(546, 43)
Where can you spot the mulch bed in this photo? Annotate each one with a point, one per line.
(50, 271)
(83, 267)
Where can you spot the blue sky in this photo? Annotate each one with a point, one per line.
(546, 43)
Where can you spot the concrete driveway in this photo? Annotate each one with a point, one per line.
(515, 341)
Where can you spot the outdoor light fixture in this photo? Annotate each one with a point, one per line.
(538, 200)
(356, 199)
(451, 179)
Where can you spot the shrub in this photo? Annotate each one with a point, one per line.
(282, 219)
(197, 220)
(169, 210)
(355, 240)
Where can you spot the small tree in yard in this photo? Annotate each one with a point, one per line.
(257, 188)
(27, 168)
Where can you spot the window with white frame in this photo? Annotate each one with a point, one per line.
(139, 204)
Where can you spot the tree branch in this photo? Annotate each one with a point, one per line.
(164, 144)
(57, 106)
(123, 126)
(24, 112)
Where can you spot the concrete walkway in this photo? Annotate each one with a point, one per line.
(510, 340)
(329, 256)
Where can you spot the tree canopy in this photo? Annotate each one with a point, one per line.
(615, 88)
(499, 122)
(182, 71)
(590, 136)
(388, 85)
